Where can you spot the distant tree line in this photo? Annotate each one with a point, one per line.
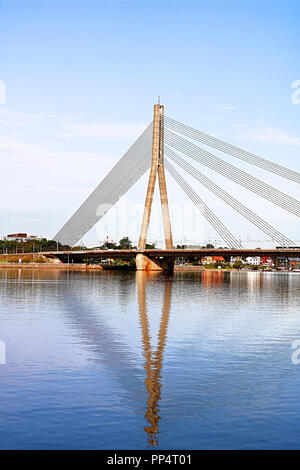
(124, 244)
(31, 246)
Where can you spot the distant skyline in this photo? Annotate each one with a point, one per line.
(78, 84)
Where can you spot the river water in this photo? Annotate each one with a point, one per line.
(116, 360)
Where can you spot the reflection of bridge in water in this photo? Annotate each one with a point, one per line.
(117, 357)
(107, 346)
(84, 315)
(105, 342)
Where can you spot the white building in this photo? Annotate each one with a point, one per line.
(253, 260)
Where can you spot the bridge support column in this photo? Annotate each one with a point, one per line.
(157, 168)
(144, 263)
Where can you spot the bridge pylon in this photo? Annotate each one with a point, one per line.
(157, 170)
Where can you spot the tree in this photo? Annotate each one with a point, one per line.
(237, 264)
(150, 246)
(125, 244)
(110, 246)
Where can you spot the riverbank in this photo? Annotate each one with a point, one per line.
(60, 266)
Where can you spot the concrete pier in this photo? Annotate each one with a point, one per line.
(163, 264)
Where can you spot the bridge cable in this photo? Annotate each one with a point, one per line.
(119, 180)
(224, 233)
(233, 173)
(117, 191)
(232, 150)
(230, 200)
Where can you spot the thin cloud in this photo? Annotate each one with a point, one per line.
(16, 119)
(226, 107)
(56, 189)
(268, 135)
(67, 127)
(102, 131)
(18, 151)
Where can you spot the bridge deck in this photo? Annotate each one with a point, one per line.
(176, 253)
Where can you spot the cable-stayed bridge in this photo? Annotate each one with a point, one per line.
(166, 142)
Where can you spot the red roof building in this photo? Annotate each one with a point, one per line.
(17, 235)
(218, 258)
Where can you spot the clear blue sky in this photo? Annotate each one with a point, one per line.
(82, 76)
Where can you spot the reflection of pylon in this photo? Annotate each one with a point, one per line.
(157, 168)
(153, 360)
